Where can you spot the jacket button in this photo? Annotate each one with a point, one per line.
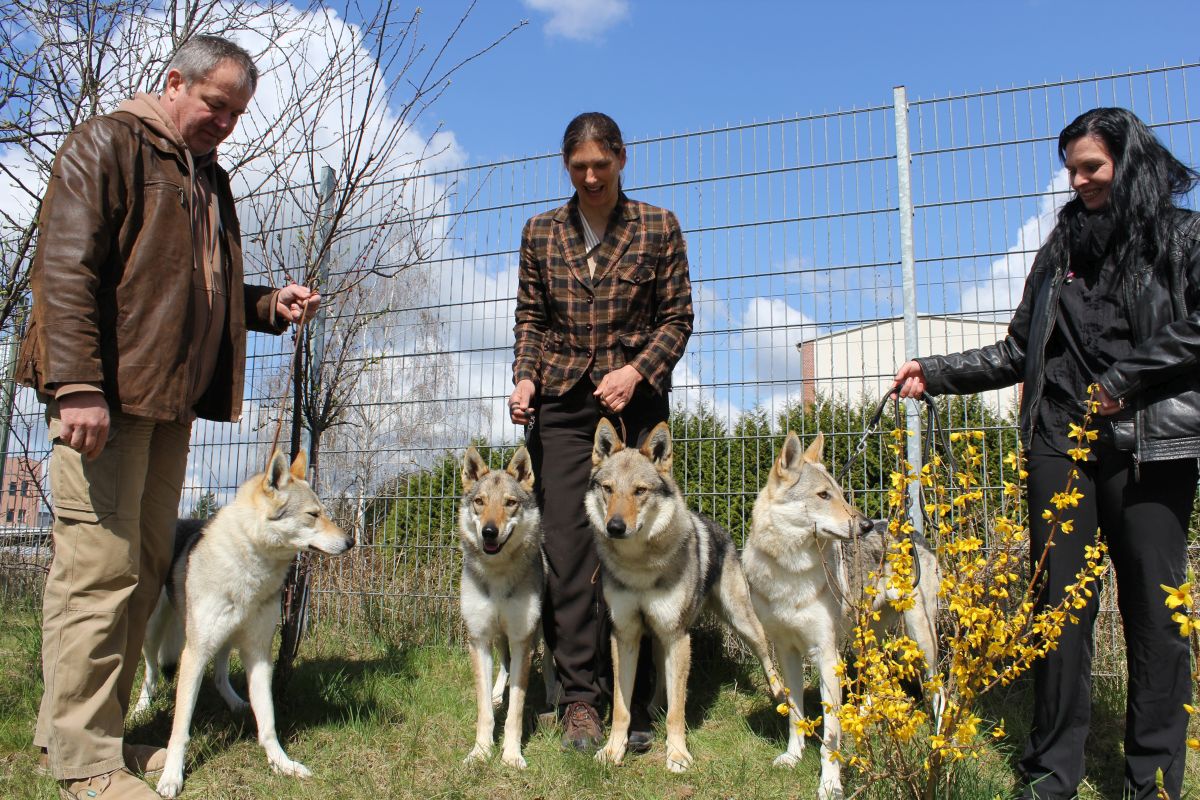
(590, 298)
(589, 352)
(589, 326)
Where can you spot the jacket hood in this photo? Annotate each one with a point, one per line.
(150, 111)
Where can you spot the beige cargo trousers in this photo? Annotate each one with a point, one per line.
(114, 523)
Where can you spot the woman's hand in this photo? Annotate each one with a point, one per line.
(910, 380)
(520, 402)
(616, 388)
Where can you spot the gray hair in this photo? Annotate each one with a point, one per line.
(200, 55)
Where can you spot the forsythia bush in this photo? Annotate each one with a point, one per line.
(991, 627)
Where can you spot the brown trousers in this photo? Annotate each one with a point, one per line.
(113, 535)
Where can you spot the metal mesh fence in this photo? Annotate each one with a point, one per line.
(798, 260)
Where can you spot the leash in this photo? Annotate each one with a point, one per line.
(291, 370)
(935, 430)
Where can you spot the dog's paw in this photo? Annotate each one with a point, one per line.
(478, 753)
(169, 786)
(785, 761)
(514, 759)
(611, 753)
(678, 760)
(830, 791)
(294, 769)
(238, 705)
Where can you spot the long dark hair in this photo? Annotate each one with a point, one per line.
(592, 126)
(1147, 179)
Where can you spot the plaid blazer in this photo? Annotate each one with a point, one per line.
(636, 310)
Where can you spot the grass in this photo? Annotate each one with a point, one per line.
(375, 719)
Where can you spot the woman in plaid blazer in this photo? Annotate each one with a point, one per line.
(604, 311)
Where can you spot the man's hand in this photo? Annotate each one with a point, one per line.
(520, 402)
(616, 388)
(290, 302)
(84, 422)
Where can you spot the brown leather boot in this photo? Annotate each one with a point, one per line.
(120, 784)
(581, 728)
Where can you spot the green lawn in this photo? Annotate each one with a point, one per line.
(375, 719)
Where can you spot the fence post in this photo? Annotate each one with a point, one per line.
(908, 270)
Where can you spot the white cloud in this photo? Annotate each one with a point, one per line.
(581, 20)
(771, 329)
(999, 293)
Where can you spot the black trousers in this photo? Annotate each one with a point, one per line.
(575, 618)
(1144, 523)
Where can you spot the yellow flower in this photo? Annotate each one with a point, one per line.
(1186, 623)
(1178, 597)
(782, 709)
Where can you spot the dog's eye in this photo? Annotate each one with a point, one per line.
(823, 494)
(607, 489)
(314, 514)
(639, 491)
(510, 502)
(478, 501)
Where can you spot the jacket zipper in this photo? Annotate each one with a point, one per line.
(1055, 286)
(1137, 412)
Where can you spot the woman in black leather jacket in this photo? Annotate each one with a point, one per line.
(1113, 299)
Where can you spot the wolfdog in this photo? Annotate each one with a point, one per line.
(225, 583)
(807, 558)
(503, 578)
(663, 564)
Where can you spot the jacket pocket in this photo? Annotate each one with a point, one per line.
(632, 343)
(639, 273)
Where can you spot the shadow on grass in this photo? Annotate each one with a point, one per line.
(712, 669)
(322, 692)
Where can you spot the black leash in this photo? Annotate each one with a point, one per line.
(934, 431)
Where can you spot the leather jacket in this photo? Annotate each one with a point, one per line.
(1160, 380)
(112, 277)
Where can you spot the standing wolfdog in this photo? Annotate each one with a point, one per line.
(663, 564)
(503, 577)
(225, 583)
(807, 559)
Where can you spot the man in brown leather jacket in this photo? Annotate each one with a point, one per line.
(138, 326)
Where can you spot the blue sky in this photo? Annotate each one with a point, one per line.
(669, 67)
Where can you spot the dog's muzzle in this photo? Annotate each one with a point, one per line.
(616, 528)
(491, 538)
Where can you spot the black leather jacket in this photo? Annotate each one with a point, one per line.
(1160, 380)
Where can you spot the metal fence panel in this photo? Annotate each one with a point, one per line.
(793, 229)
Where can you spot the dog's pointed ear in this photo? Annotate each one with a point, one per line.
(300, 466)
(277, 475)
(473, 468)
(659, 448)
(813, 454)
(607, 442)
(789, 461)
(521, 468)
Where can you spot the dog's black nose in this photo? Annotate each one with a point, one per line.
(490, 533)
(616, 528)
(349, 542)
(865, 525)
